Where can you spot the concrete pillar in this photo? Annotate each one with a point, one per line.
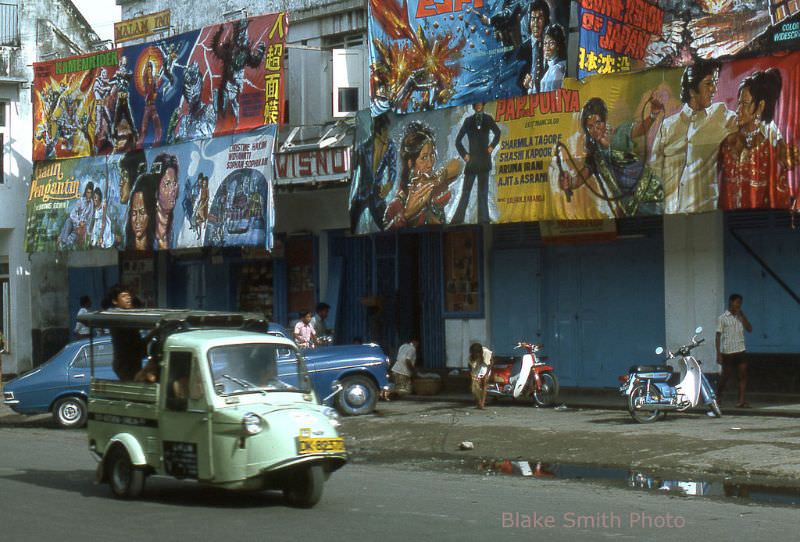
(694, 280)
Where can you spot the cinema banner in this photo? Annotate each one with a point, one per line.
(218, 192)
(428, 54)
(219, 80)
(70, 207)
(215, 192)
(625, 35)
(618, 146)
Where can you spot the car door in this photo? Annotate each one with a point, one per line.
(79, 371)
(185, 419)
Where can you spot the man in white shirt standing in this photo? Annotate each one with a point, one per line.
(730, 347)
(403, 368)
(685, 148)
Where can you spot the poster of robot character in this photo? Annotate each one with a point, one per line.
(427, 55)
(222, 79)
(72, 106)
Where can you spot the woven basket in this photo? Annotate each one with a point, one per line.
(427, 386)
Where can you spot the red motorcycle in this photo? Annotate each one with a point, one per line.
(528, 379)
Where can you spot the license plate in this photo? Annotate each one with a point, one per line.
(310, 445)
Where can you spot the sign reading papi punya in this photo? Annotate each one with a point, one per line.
(617, 146)
(221, 79)
(430, 54)
(625, 35)
(214, 192)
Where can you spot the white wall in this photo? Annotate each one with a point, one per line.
(694, 280)
(13, 195)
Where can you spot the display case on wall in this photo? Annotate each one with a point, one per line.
(463, 279)
(138, 274)
(255, 292)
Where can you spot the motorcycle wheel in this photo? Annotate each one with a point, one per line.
(641, 416)
(546, 396)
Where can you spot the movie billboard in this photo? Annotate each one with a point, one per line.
(677, 140)
(70, 207)
(428, 55)
(214, 192)
(626, 35)
(219, 80)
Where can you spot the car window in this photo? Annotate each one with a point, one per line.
(103, 356)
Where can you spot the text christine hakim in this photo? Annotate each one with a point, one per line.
(597, 520)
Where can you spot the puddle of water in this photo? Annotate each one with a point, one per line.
(730, 488)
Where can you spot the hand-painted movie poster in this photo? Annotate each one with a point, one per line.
(428, 54)
(625, 35)
(215, 192)
(223, 79)
(72, 206)
(708, 136)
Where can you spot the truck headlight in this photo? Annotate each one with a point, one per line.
(332, 415)
(252, 423)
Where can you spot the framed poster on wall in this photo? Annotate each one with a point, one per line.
(463, 278)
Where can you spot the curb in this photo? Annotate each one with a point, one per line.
(587, 404)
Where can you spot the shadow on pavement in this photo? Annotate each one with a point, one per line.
(156, 490)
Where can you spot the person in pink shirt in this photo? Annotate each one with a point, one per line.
(304, 334)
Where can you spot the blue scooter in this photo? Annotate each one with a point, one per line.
(650, 394)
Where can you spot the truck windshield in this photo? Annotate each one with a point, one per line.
(247, 368)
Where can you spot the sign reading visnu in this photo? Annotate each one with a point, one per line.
(310, 166)
(139, 27)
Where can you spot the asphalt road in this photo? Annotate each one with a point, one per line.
(47, 493)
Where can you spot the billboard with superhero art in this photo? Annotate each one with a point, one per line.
(212, 192)
(661, 141)
(219, 80)
(625, 35)
(427, 54)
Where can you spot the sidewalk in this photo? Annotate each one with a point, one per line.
(585, 429)
(761, 404)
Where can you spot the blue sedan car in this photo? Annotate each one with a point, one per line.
(361, 369)
(61, 385)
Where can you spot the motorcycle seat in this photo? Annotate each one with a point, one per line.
(650, 369)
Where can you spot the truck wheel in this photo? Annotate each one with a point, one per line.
(127, 480)
(70, 412)
(546, 396)
(358, 396)
(305, 488)
(640, 415)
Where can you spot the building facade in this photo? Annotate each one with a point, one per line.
(30, 31)
(597, 306)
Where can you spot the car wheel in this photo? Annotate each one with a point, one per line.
(305, 488)
(358, 396)
(70, 412)
(127, 480)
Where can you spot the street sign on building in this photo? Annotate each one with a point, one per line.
(140, 27)
(312, 166)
